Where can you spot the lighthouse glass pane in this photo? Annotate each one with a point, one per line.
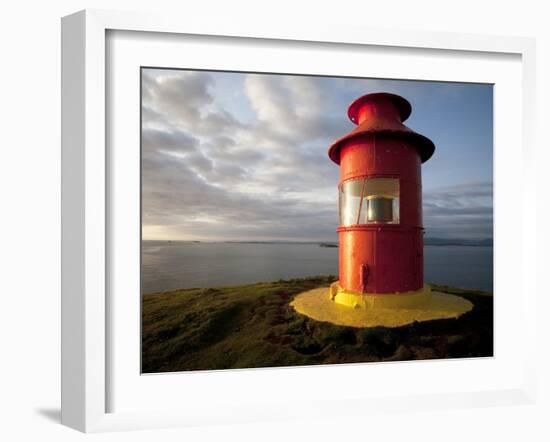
(369, 201)
(380, 201)
(350, 199)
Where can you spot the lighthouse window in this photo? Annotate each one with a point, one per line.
(350, 200)
(369, 201)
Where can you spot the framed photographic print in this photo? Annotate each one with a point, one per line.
(262, 223)
(240, 250)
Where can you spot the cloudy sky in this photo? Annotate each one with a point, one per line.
(237, 156)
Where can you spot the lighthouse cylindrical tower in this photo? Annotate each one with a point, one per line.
(380, 229)
(380, 201)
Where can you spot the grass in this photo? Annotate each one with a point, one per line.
(254, 326)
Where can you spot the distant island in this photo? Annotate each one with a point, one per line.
(458, 242)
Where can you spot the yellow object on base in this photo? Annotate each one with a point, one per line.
(380, 300)
(339, 307)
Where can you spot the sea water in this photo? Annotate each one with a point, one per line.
(169, 265)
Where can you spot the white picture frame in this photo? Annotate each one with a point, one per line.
(86, 208)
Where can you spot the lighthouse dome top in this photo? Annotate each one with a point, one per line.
(382, 114)
(377, 99)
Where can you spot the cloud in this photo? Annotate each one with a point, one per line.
(178, 95)
(463, 211)
(184, 100)
(172, 140)
(293, 109)
(258, 169)
(184, 201)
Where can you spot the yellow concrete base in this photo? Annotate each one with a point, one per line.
(384, 310)
(382, 300)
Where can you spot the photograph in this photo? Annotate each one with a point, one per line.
(260, 221)
(297, 220)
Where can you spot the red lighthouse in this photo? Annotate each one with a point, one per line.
(380, 199)
(380, 228)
